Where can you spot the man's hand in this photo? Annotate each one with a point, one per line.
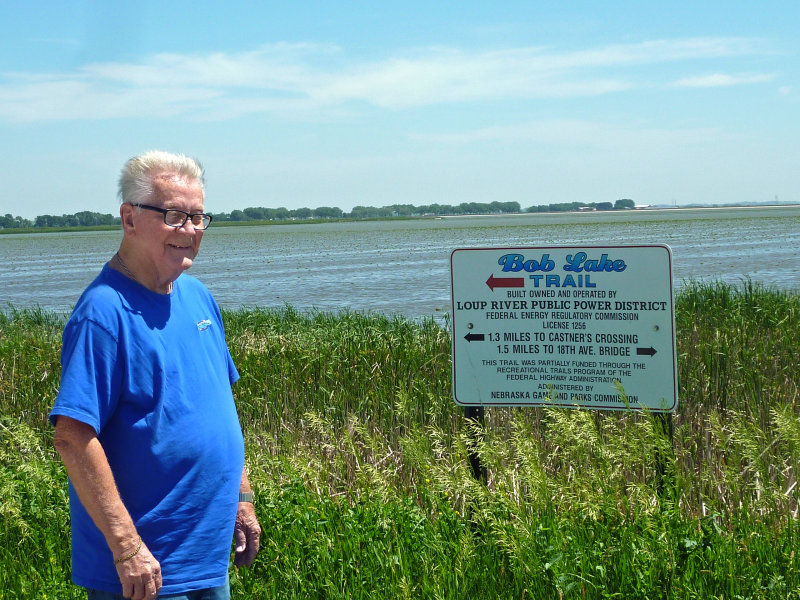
(88, 469)
(246, 534)
(140, 575)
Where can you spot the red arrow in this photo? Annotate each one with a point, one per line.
(505, 282)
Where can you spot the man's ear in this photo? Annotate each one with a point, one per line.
(126, 216)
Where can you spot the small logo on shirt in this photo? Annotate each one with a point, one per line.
(203, 325)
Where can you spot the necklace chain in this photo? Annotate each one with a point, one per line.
(125, 268)
(128, 272)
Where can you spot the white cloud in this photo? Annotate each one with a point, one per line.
(449, 76)
(573, 132)
(314, 79)
(722, 80)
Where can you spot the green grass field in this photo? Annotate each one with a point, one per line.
(358, 457)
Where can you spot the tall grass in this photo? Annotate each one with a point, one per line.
(358, 457)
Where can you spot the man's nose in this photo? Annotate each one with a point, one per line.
(187, 226)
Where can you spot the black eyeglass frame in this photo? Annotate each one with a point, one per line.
(186, 216)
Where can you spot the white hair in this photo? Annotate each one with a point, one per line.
(136, 179)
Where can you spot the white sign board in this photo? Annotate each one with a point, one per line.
(564, 326)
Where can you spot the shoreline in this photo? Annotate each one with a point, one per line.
(548, 214)
(649, 210)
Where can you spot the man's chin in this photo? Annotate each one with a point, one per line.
(179, 266)
(187, 263)
(183, 259)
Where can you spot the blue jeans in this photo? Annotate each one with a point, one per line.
(222, 592)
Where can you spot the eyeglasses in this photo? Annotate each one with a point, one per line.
(176, 218)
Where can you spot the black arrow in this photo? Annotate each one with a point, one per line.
(474, 337)
(648, 351)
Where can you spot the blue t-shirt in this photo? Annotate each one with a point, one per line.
(152, 374)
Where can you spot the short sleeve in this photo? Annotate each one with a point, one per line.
(233, 374)
(90, 374)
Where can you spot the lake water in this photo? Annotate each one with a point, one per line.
(404, 266)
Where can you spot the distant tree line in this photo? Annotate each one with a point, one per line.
(257, 213)
(623, 204)
(12, 222)
(81, 219)
(368, 212)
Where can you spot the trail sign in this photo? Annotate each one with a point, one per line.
(564, 326)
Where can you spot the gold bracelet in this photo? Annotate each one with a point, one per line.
(131, 555)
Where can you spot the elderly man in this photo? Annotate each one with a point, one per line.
(145, 420)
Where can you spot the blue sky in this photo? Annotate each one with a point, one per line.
(308, 104)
